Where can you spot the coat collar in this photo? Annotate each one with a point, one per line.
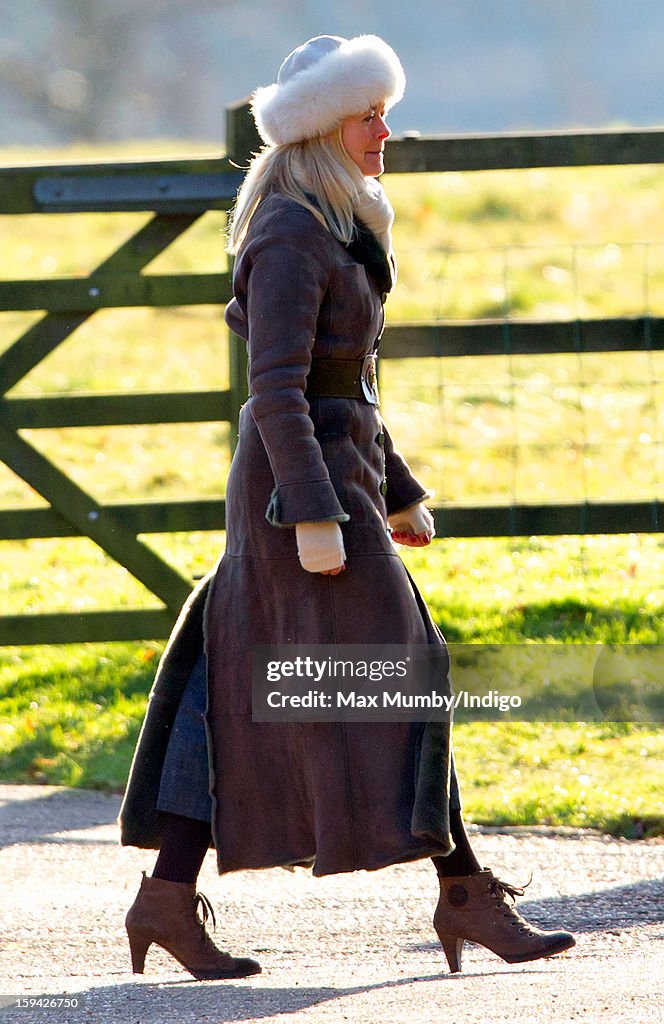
(366, 249)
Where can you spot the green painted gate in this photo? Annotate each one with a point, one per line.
(178, 192)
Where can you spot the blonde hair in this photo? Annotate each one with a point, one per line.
(320, 168)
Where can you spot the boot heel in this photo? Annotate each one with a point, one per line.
(479, 907)
(172, 915)
(138, 946)
(452, 948)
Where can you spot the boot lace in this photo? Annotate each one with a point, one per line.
(499, 890)
(202, 904)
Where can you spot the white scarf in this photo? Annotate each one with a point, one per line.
(375, 210)
(371, 205)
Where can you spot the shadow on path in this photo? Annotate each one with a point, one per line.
(611, 910)
(184, 1001)
(35, 819)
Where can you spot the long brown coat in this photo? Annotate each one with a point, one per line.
(344, 796)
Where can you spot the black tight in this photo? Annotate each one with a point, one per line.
(185, 841)
(462, 860)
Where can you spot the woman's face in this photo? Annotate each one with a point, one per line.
(364, 136)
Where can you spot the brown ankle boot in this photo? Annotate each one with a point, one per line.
(166, 913)
(474, 907)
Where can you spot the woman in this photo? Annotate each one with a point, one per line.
(315, 488)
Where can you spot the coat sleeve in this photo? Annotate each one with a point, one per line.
(403, 490)
(287, 279)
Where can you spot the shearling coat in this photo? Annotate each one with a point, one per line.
(342, 796)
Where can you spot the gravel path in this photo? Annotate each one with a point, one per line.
(357, 948)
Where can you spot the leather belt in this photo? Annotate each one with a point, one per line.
(343, 378)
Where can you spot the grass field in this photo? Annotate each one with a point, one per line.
(540, 244)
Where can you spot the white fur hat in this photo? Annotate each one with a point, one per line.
(324, 81)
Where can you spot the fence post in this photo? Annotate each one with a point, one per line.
(242, 140)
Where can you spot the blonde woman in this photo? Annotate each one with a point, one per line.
(316, 497)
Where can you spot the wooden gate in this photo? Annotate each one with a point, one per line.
(178, 192)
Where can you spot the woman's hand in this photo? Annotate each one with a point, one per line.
(320, 547)
(413, 527)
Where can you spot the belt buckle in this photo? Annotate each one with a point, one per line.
(369, 380)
